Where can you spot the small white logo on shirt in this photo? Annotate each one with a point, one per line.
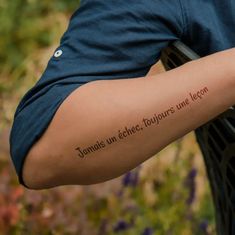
(58, 53)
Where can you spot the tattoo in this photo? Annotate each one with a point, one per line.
(145, 123)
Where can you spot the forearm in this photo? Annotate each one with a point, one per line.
(104, 109)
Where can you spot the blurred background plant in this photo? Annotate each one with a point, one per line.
(167, 195)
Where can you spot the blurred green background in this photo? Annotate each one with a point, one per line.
(167, 195)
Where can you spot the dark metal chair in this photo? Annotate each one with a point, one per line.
(216, 140)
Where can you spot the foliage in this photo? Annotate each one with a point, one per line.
(27, 28)
(28, 25)
(167, 195)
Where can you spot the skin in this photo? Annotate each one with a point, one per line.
(99, 109)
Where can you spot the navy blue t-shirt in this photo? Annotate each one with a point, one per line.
(115, 39)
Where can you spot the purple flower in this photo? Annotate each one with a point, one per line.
(191, 185)
(126, 180)
(134, 181)
(203, 226)
(192, 174)
(130, 178)
(147, 231)
(120, 226)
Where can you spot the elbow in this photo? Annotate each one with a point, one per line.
(36, 173)
(41, 171)
(45, 170)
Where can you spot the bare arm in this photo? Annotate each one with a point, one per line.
(140, 115)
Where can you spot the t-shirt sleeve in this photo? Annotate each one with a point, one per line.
(110, 39)
(105, 39)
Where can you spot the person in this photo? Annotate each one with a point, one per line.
(94, 114)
